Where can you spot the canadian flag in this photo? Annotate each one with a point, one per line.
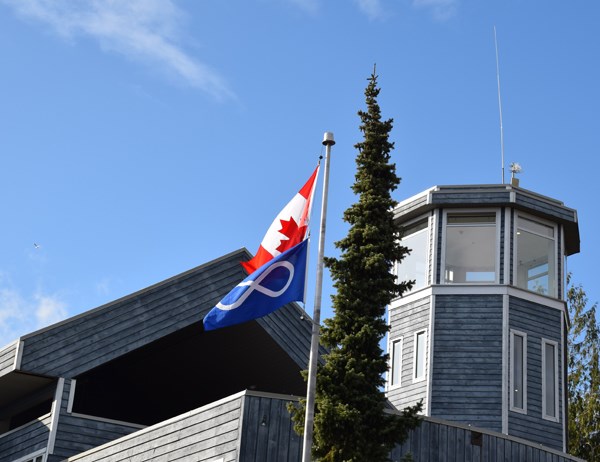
(289, 227)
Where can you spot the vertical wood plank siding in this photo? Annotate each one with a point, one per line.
(24, 440)
(467, 360)
(267, 431)
(405, 321)
(78, 434)
(205, 434)
(444, 442)
(7, 358)
(538, 322)
(91, 339)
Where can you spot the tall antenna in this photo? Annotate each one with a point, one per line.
(499, 104)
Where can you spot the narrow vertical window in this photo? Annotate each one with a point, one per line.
(471, 249)
(396, 366)
(413, 266)
(549, 380)
(518, 371)
(420, 350)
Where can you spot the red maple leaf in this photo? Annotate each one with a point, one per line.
(295, 234)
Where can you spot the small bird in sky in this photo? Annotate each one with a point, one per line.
(37, 246)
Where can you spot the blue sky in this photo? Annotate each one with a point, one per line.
(140, 139)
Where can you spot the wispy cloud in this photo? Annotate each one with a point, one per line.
(143, 30)
(442, 10)
(312, 6)
(20, 315)
(372, 8)
(48, 310)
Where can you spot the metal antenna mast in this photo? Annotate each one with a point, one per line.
(499, 104)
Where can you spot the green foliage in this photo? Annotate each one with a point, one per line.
(350, 421)
(584, 376)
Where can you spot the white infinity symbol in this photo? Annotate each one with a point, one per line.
(255, 285)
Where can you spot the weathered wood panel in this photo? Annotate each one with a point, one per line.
(267, 433)
(405, 321)
(446, 442)
(406, 208)
(538, 322)
(97, 336)
(547, 207)
(24, 440)
(467, 360)
(474, 196)
(205, 434)
(7, 358)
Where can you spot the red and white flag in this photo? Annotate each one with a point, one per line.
(289, 227)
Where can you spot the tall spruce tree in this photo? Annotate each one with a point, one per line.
(584, 375)
(350, 422)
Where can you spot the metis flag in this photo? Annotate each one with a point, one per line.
(289, 227)
(277, 282)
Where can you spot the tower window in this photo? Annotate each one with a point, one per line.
(413, 266)
(518, 371)
(549, 380)
(396, 363)
(536, 269)
(420, 347)
(471, 244)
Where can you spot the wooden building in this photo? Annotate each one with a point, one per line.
(480, 339)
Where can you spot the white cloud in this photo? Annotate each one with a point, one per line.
(144, 30)
(20, 315)
(372, 8)
(49, 310)
(441, 9)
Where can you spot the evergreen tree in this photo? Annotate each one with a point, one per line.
(584, 376)
(350, 422)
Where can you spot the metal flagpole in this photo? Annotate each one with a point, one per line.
(314, 342)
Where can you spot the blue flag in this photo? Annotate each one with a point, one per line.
(277, 282)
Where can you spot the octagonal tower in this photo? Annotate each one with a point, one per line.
(481, 337)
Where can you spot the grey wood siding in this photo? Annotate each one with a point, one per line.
(545, 206)
(205, 434)
(445, 442)
(77, 434)
(538, 322)
(406, 208)
(7, 358)
(267, 432)
(405, 321)
(100, 335)
(24, 440)
(467, 360)
(474, 195)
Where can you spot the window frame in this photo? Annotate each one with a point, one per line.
(420, 378)
(426, 230)
(545, 414)
(557, 256)
(523, 335)
(474, 213)
(393, 342)
(33, 457)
